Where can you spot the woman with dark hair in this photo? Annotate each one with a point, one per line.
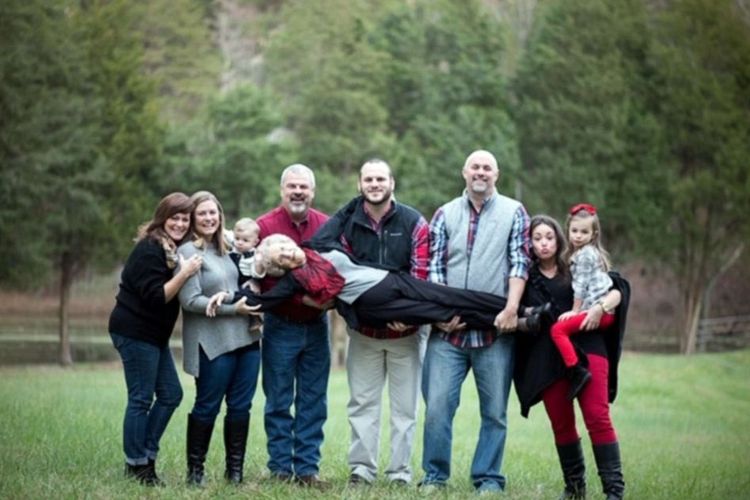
(140, 326)
(540, 371)
(221, 353)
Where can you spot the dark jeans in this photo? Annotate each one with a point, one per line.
(296, 363)
(233, 377)
(149, 372)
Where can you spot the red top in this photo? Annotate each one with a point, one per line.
(278, 221)
(319, 277)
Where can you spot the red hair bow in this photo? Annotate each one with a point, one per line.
(591, 209)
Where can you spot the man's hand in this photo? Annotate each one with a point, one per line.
(453, 325)
(398, 326)
(506, 321)
(214, 302)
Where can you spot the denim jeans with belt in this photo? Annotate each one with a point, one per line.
(232, 376)
(149, 372)
(296, 364)
(445, 369)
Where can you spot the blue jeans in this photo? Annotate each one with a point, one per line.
(149, 371)
(296, 364)
(445, 369)
(232, 376)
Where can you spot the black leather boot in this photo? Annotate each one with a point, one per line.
(144, 474)
(543, 310)
(153, 478)
(235, 442)
(610, 469)
(579, 376)
(532, 324)
(198, 439)
(573, 469)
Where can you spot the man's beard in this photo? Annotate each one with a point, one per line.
(298, 206)
(385, 199)
(480, 187)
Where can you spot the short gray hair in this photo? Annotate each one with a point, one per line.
(299, 169)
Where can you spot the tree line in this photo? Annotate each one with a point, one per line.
(639, 107)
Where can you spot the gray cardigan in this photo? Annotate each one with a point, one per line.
(226, 331)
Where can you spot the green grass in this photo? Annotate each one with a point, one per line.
(683, 425)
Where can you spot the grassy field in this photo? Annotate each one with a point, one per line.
(683, 425)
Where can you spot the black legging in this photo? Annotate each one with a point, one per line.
(401, 297)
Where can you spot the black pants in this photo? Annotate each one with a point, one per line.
(401, 297)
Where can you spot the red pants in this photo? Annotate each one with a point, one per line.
(594, 403)
(562, 330)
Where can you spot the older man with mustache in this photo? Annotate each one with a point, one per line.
(296, 348)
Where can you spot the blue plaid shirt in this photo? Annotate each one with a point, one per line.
(518, 259)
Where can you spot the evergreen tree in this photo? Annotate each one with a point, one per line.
(236, 150)
(445, 95)
(78, 139)
(179, 54)
(701, 58)
(586, 132)
(320, 62)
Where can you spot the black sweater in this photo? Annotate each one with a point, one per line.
(538, 362)
(141, 312)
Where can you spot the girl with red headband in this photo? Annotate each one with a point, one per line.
(589, 263)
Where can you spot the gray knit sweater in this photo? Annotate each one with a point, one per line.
(226, 331)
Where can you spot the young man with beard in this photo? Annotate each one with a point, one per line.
(478, 241)
(296, 356)
(378, 231)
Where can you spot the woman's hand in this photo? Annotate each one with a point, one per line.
(214, 302)
(593, 318)
(240, 307)
(189, 266)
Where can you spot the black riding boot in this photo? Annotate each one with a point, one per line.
(535, 319)
(610, 469)
(573, 469)
(153, 478)
(579, 376)
(140, 473)
(235, 442)
(198, 439)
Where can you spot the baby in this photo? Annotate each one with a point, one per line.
(245, 238)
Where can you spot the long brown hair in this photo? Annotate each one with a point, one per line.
(219, 241)
(561, 240)
(173, 203)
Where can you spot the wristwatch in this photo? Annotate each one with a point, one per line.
(604, 308)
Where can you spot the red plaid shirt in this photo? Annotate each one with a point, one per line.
(318, 277)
